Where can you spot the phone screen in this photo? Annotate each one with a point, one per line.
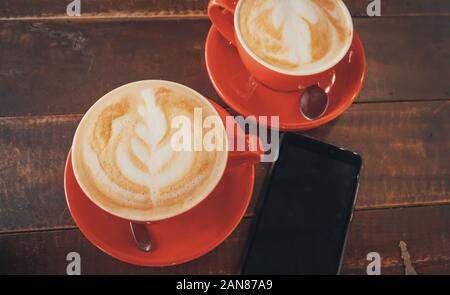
(302, 224)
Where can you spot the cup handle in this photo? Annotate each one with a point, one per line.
(250, 156)
(221, 13)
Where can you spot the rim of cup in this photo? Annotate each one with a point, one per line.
(313, 71)
(212, 184)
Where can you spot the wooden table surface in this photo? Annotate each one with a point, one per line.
(53, 67)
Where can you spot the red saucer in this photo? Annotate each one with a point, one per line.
(175, 240)
(248, 97)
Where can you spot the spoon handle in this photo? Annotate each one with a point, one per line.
(141, 236)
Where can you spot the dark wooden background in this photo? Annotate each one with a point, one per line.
(52, 68)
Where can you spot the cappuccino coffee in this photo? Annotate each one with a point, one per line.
(296, 36)
(124, 160)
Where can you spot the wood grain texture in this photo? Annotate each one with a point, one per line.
(45, 253)
(402, 7)
(105, 9)
(33, 152)
(426, 230)
(189, 8)
(64, 67)
(404, 147)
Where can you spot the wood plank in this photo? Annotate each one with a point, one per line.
(405, 58)
(63, 67)
(427, 268)
(402, 7)
(404, 146)
(45, 253)
(426, 230)
(192, 8)
(105, 8)
(33, 152)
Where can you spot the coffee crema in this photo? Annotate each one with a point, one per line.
(295, 35)
(124, 160)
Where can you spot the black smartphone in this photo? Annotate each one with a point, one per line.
(302, 223)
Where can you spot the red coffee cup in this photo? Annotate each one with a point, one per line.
(250, 154)
(224, 15)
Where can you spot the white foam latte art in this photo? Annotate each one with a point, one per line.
(124, 160)
(295, 35)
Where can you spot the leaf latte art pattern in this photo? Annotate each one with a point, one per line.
(295, 35)
(123, 156)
